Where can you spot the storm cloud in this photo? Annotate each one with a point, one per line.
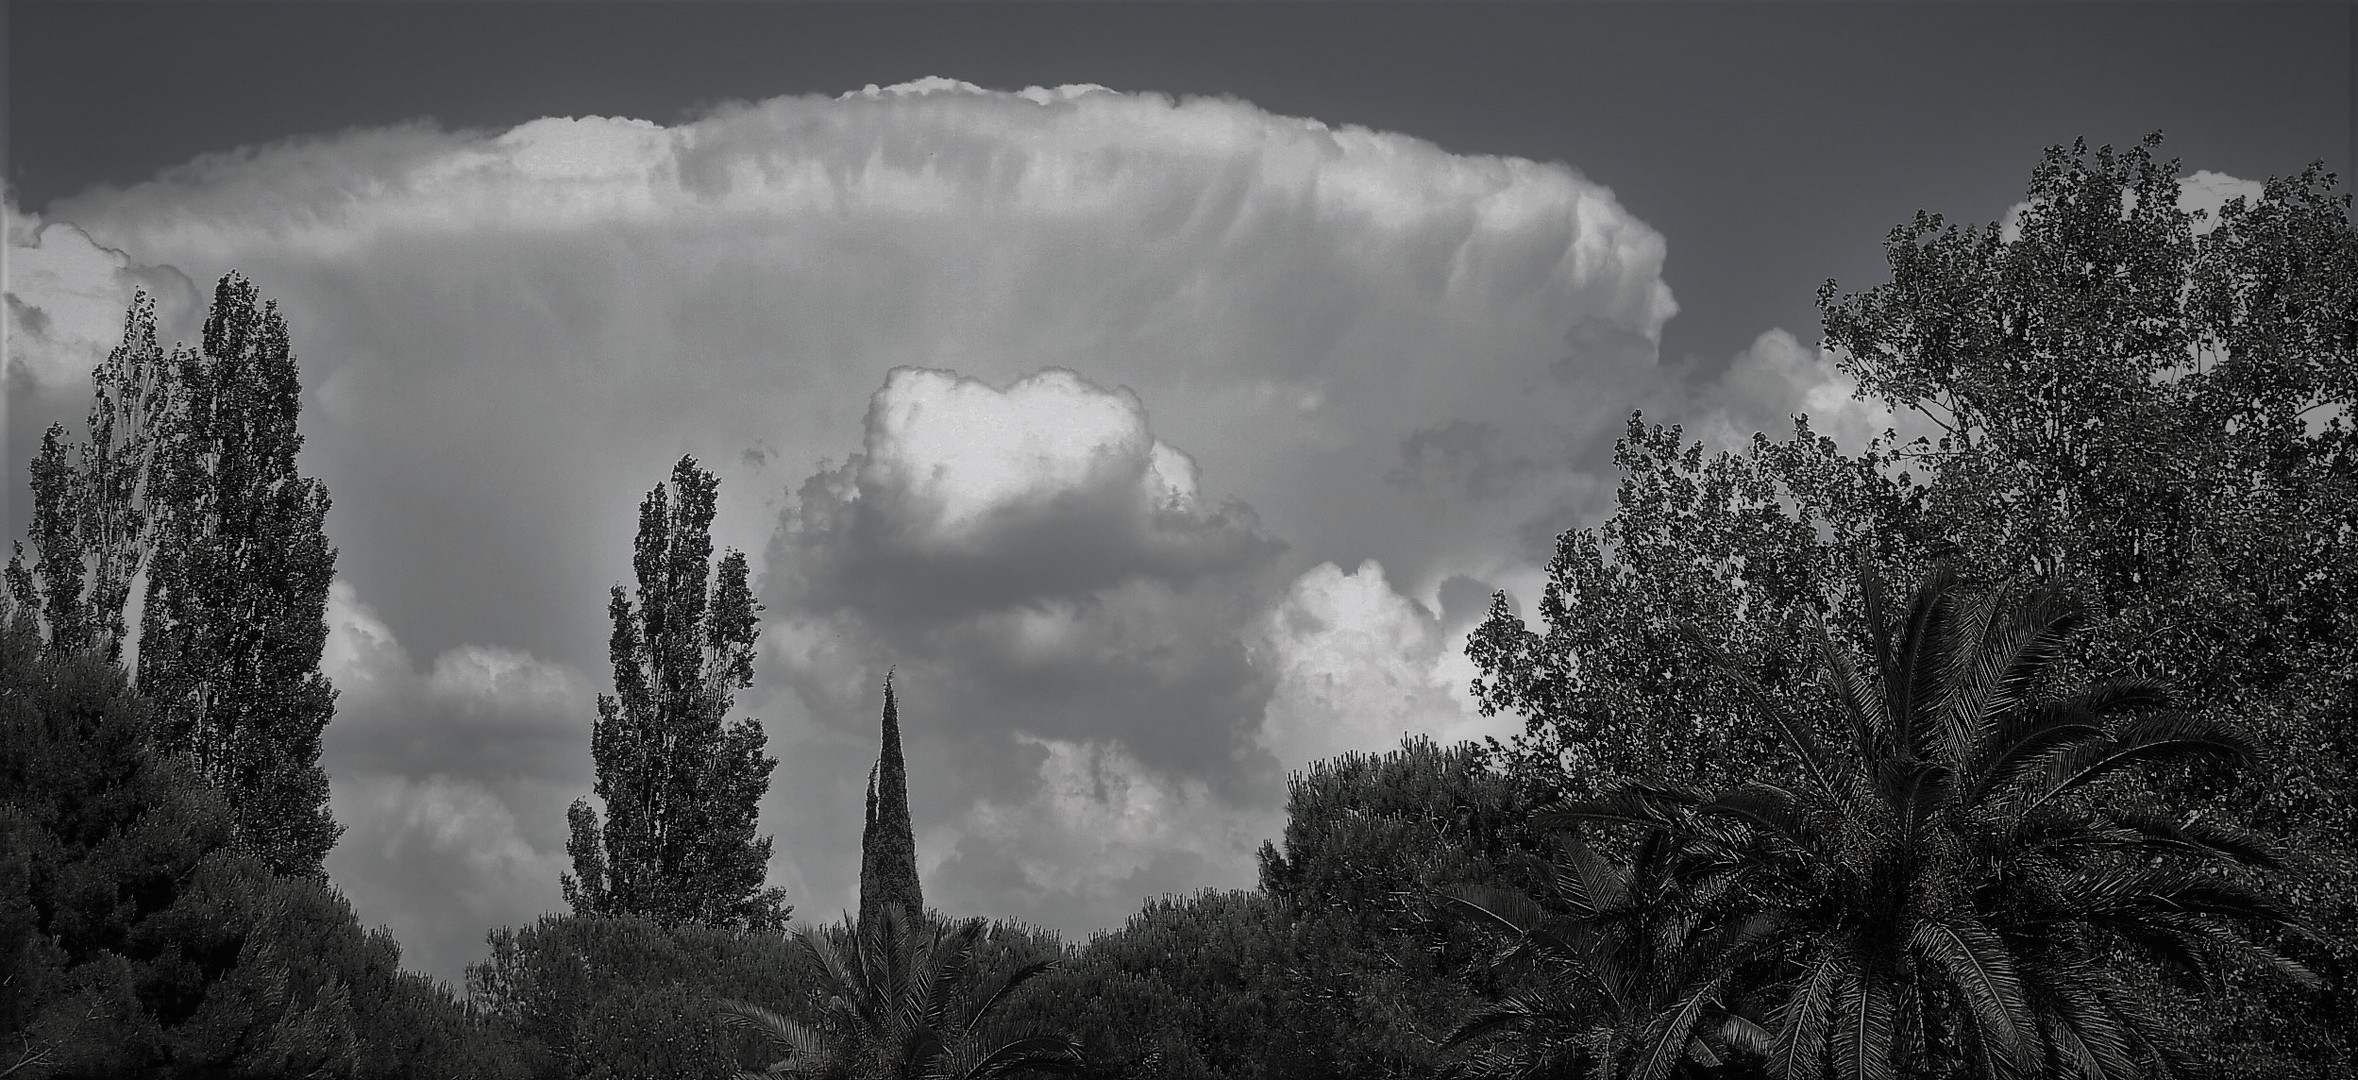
(1160, 445)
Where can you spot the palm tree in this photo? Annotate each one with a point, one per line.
(1634, 968)
(1959, 888)
(903, 1003)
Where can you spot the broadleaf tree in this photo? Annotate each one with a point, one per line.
(90, 515)
(681, 786)
(2147, 408)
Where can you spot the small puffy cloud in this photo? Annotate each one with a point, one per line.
(1037, 552)
(1776, 377)
(965, 497)
(451, 783)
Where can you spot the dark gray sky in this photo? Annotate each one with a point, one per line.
(1165, 437)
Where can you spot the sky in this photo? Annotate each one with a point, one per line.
(1161, 390)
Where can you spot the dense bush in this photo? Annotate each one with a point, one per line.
(140, 940)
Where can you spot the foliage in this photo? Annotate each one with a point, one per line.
(2153, 417)
(1610, 690)
(188, 474)
(681, 789)
(91, 518)
(901, 999)
(230, 638)
(612, 997)
(142, 938)
(1956, 874)
(888, 844)
(1640, 964)
(1369, 839)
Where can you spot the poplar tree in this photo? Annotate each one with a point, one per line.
(888, 845)
(236, 613)
(90, 510)
(681, 788)
(187, 473)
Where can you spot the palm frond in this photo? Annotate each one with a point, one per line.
(1036, 1052)
(1665, 1039)
(805, 1047)
(2079, 1006)
(1912, 670)
(1977, 964)
(2021, 745)
(1501, 908)
(2153, 738)
(1804, 1021)
(1864, 1027)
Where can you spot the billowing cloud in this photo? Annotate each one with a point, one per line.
(65, 298)
(1359, 666)
(1776, 377)
(1385, 350)
(451, 783)
(1063, 605)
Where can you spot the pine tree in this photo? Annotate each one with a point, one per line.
(237, 587)
(90, 518)
(888, 846)
(681, 789)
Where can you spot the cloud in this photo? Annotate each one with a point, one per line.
(965, 498)
(1063, 604)
(65, 300)
(1358, 666)
(451, 783)
(1776, 377)
(1384, 350)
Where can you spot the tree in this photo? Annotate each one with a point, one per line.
(1369, 839)
(888, 846)
(2154, 415)
(138, 937)
(237, 584)
(1956, 876)
(906, 1003)
(682, 789)
(1639, 966)
(90, 518)
(612, 996)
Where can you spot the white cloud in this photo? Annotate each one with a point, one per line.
(65, 298)
(508, 336)
(1358, 666)
(1776, 377)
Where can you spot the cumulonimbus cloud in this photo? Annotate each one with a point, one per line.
(1385, 350)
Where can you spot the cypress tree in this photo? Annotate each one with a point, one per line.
(888, 845)
(681, 789)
